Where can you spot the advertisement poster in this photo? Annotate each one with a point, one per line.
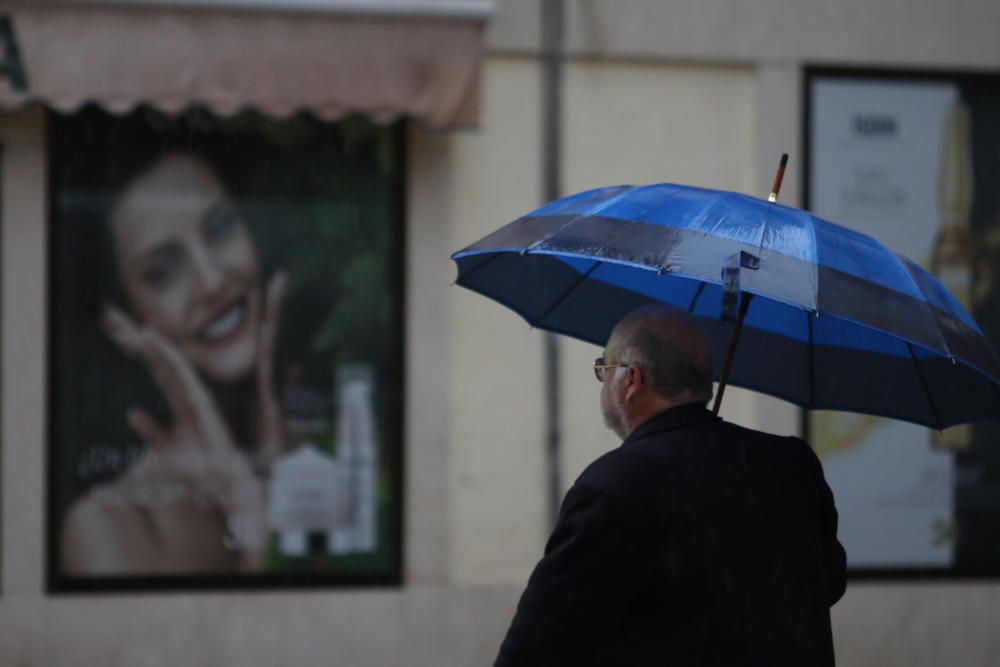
(226, 339)
(907, 160)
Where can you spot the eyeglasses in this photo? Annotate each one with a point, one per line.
(601, 368)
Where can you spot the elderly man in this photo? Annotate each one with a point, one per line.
(696, 542)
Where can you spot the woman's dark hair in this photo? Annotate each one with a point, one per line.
(110, 154)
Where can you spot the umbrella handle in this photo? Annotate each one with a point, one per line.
(733, 342)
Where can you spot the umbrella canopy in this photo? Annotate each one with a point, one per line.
(836, 320)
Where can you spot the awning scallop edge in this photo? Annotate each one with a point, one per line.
(385, 67)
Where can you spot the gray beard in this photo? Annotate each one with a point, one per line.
(613, 417)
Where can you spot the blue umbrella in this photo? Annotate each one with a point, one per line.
(830, 318)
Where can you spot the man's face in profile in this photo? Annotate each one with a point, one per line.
(612, 399)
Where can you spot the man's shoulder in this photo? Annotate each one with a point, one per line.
(766, 448)
(615, 482)
(681, 454)
(735, 431)
(618, 474)
(634, 459)
(677, 460)
(610, 464)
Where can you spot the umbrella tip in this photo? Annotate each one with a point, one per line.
(776, 188)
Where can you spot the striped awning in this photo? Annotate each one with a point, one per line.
(277, 58)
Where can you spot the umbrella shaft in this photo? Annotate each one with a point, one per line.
(733, 342)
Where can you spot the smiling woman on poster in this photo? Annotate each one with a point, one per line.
(193, 310)
(226, 327)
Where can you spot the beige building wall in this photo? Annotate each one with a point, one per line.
(497, 427)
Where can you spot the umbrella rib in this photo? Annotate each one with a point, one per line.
(697, 294)
(555, 304)
(923, 382)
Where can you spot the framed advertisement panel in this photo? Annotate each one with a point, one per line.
(226, 338)
(912, 159)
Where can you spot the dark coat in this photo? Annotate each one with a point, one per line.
(696, 542)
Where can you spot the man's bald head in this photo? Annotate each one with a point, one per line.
(671, 346)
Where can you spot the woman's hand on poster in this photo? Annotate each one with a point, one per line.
(197, 451)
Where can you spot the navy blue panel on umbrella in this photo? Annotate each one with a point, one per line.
(961, 395)
(529, 288)
(862, 381)
(597, 302)
(762, 361)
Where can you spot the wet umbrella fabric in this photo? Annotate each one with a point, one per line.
(837, 321)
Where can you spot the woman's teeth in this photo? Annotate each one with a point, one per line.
(224, 324)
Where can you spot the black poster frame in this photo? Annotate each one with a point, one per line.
(59, 583)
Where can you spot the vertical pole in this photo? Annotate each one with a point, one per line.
(552, 55)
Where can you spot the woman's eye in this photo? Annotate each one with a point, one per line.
(218, 225)
(159, 271)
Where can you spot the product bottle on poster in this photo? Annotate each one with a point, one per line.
(951, 257)
(357, 453)
(307, 500)
(307, 496)
(292, 538)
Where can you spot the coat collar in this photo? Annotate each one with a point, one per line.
(679, 416)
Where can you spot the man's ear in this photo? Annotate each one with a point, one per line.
(636, 380)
